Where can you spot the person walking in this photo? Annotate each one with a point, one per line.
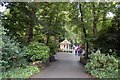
(79, 50)
(76, 52)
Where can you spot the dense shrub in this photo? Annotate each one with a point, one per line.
(20, 72)
(53, 48)
(83, 59)
(11, 54)
(109, 37)
(37, 51)
(102, 66)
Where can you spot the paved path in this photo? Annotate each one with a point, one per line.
(66, 66)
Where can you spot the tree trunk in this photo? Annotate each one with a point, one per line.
(47, 39)
(31, 25)
(30, 34)
(95, 19)
(84, 31)
(104, 20)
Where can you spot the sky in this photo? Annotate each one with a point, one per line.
(110, 14)
(2, 8)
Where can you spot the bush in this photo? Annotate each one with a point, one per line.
(11, 54)
(20, 72)
(53, 48)
(83, 60)
(108, 38)
(37, 51)
(102, 66)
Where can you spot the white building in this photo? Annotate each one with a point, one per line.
(65, 45)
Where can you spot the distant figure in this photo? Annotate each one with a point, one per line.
(76, 52)
(79, 50)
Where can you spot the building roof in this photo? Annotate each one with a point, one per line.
(65, 42)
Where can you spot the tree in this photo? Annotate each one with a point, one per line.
(108, 37)
(51, 18)
(95, 19)
(20, 19)
(84, 30)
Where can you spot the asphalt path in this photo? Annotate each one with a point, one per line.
(66, 66)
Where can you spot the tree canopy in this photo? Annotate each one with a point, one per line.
(85, 23)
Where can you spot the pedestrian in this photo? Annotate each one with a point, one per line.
(76, 52)
(79, 50)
